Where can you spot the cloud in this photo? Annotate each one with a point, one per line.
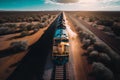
(65, 1)
(86, 4)
(62, 2)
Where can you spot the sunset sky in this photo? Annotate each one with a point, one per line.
(83, 5)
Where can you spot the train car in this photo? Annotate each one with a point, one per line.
(61, 26)
(60, 55)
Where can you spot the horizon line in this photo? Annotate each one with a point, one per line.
(61, 10)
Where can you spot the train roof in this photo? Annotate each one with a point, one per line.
(61, 33)
(61, 26)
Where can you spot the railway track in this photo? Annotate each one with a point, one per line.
(60, 72)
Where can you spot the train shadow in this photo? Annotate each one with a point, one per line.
(32, 65)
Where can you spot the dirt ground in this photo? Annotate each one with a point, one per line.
(6, 62)
(80, 65)
(9, 63)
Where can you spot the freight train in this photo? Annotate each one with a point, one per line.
(60, 54)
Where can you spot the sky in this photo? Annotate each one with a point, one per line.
(81, 5)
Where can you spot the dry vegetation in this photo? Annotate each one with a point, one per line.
(18, 31)
(103, 62)
(12, 29)
(108, 22)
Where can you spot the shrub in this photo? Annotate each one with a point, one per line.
(22, 27)
(12, 25)
(86, 43)
(6, 30)
(84, 35)
(107, 29)
(36, 18)
(2, 21)
(95, 25)
(3, 30)
(104, 58)
(83, 18)
(29, 27)
(30, 19)
(116, 29)
(93, 56)
(41, 25)
(24, 33)
(19, 46)
(35, 30)
(99, 22)
(105, 22)
(116, 63)
(101, 72)
(91, 19)
(92, 39)
(48, 22)
(43, 19)
(100, 47)
(90, 49)
(49, 16)
(108, 23)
